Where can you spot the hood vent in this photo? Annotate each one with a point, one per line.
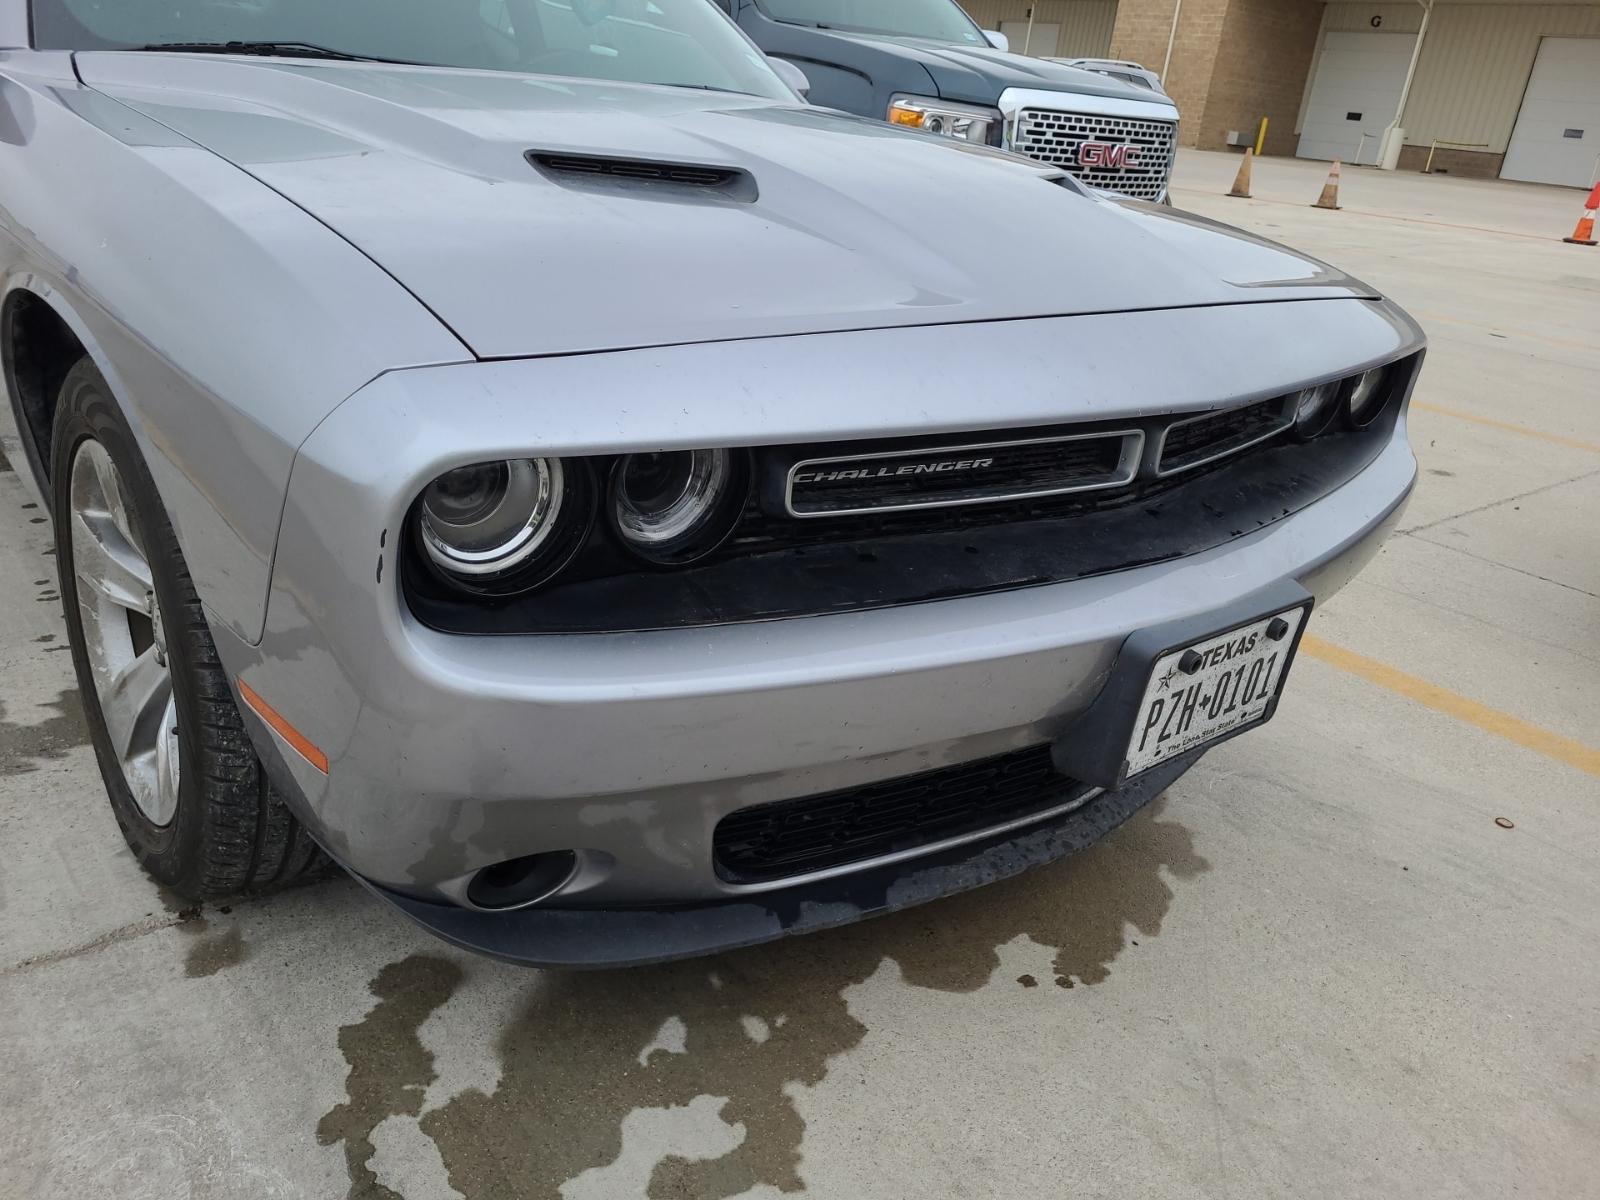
(594, 170)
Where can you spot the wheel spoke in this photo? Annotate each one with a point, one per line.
(166, 782)
(106, 561)
(135, 701)
(111, 490)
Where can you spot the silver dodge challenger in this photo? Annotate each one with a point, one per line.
(519, 451)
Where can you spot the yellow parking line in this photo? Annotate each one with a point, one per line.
(1557, 438)
(1431, 695)
(1573, 343)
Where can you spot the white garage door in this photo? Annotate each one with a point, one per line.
(1041, 43)
(1557, 137)
(1356, 91)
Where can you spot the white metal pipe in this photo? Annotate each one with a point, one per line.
(1172, 36)
(1411, 71)
(1027, 38)
(1391, 143)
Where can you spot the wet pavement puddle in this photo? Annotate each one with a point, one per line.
(731, 1036)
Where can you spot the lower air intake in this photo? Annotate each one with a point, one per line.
(795, 837)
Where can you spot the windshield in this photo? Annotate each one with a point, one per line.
(936, 20)
(686, 43)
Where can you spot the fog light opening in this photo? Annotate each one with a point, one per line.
(519, 882)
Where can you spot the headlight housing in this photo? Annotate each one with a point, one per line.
(1367, 397)
(675, 506)
(1315, 409)
(964, 122)
(504, 525)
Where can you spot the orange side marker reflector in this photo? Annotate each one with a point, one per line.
(297, 741)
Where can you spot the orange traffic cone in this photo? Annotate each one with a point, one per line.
(1583, 235)
(1330, 190)
(1241, 183)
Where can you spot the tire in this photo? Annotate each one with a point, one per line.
(230, 832)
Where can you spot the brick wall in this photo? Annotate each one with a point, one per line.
(1261, 68)
(1472, 164)
(1141, 34)
(1233, 62)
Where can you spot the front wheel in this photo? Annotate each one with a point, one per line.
(185, 785)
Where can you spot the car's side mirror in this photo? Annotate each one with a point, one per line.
(998, 40)
(791, 74)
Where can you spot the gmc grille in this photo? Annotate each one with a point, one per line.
(1058, 137)
(793, 837)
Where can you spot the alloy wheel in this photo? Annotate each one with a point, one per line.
(123, 633)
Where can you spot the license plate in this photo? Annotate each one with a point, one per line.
(1213, 688)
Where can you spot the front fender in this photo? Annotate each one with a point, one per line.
(227, 321)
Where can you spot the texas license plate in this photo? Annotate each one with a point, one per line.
(1213, 688)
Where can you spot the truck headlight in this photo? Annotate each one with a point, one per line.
(960, 121)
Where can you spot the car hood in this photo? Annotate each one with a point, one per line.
(834, 223)
(978, 74)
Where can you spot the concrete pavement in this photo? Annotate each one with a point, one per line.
(1317, 967)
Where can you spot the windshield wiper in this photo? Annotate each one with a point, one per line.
(280, 49)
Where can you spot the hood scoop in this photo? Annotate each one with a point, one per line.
(592, 171)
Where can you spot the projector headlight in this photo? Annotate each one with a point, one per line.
(1366, 398)
(1315, 408)
(505, 525)
(677, 505)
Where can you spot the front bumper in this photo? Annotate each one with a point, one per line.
(589, 938)
(451, 753)
(632, 747)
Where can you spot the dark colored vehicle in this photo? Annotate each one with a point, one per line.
(926, 65)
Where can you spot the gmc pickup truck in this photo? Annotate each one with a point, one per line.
(925, 64)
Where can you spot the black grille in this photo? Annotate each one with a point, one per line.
(957, 475)
(758, 530)
(793, 837)
(1190, 443)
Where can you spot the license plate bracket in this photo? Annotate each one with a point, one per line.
(1102, 746)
